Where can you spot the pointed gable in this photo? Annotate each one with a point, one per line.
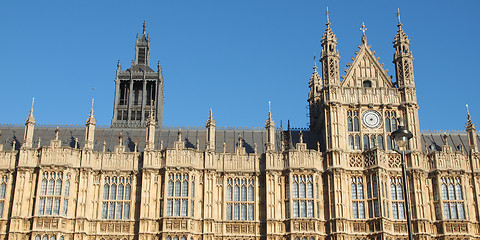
(366, 69)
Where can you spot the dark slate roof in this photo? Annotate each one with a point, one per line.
(430, 140)
(129, 136)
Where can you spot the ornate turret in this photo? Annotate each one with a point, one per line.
(210, 125)
(403, 61)
(270, 127)
(472, 136)
(142, 48)
(90, 130)
(315, 85)
(330, 56)
(403, 58)
(29, 127)
(138, 87)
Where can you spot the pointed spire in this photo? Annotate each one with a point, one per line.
(29, 127)
(119, 66)
(210, 137)
(90, 129)
(471, 133)
(91, 109)
(31, 109)
(270, 127)
(144, 27)
(364, 38)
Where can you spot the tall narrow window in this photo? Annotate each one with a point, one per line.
(352, 125)
(3, 189)
(303, 206)
(366, 142)
(452, 197)
(116, 198)
(390, 121)
(358, 202)
(177, 195)
(240, 206)
(50, 196)
(396, 191)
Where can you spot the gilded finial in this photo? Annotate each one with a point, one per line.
(398, 15)
(468, 113)
(364, 38)
(328, 18)
(363, 28)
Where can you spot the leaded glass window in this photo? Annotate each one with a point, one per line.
(178, 200)
(452, 198)
(398, 203)
(302, 196)
(240, 202)
(116, 197)
(50, 196)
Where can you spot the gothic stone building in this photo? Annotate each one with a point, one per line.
(337, 180)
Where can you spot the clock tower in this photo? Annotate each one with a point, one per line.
(354, 116)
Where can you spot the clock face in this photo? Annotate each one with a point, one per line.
(372, 119)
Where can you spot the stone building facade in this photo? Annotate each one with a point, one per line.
(337, 180)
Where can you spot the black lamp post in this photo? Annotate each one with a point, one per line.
(401, 137)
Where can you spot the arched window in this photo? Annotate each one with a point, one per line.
(367, 83)
(355, 124)
(358, 204)
(396, 191)
(350, 124)
(241, 206)
(116, 201)
(303, 205)
(452, 196)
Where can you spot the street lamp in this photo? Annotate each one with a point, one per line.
(401, 137)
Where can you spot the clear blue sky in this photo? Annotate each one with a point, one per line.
(232, 56)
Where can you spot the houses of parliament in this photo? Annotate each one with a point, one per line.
(339, 179)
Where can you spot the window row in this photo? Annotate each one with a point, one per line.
(46, 237)
(237, 211)
(179, 207)
(178, 184)
(303, 209)
(369, 141)
(116, 210)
